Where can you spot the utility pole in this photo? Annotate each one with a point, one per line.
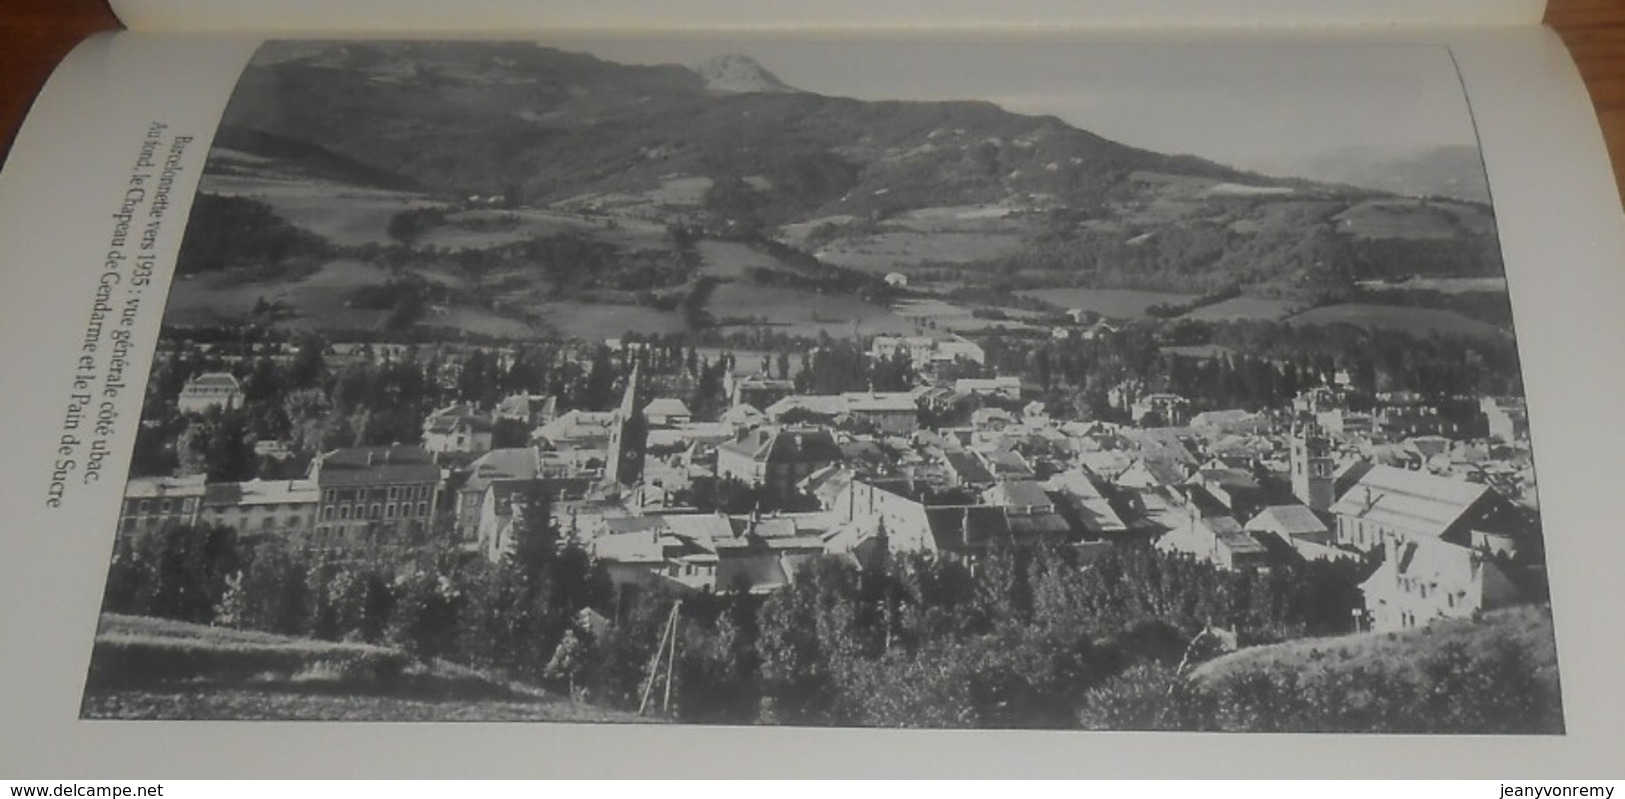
(668, 633)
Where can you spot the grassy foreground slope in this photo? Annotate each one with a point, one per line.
(1495, 674)
(146, 668)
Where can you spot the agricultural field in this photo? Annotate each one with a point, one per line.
(731, 260)
(318, 298)
(594, 321)
(1398, 219)
(482, 228)
(1242, 308)
(1443, 285)
(1415, 321)
(942, 315)
(804, 313)
(344, 214)
(947, 235)
(1113, 303)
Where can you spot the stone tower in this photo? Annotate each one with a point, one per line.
(1311, 461)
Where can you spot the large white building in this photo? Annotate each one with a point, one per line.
(210, 390)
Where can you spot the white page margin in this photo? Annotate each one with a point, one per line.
(510, 16)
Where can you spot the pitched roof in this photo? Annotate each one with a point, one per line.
(364, 466)
(638, 547)
(1039, 524)
(153, 487)
(214, 380)
(957, 527)
(703, 528)
(755, 573)
(1238, 541)
(577, 425)
(1435, 563)
(261, 492)
(742, 414)
(1410, 500)
(500, 464)
(1288, 520)
(968, 467)
(1023, 493)
(1231, 416)
(879, 402)
(786, 446)
(666, 406)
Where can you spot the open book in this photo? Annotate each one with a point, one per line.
(715, 389)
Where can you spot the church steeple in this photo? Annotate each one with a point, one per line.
(628, 435)
(1312, 466)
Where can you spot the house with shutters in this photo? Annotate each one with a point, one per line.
(1426, 579)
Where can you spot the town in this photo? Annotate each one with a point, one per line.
(766, 478)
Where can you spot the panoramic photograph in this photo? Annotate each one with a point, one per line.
(837, 384)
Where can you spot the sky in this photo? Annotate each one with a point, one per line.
(1268, 107)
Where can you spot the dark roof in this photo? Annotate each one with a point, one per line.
(364, 466)
(222, 494)
(1025, 493)
(968, 526)
(220, 380)
(968, 467)
(755, 573)
(1206, 504)
(1039, 525)
(787, 446)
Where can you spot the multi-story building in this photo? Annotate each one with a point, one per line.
(1424, 580)
(375, 495)
(1390, 504)
(776, 459)
(152, 504)
(457, 428)
(285, 508)
(1507, 417)
(1160, 410)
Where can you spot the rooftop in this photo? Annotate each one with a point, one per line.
(363, 466)
(1411, 500)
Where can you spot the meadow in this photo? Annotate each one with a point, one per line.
(147, 668)
(1114, 303)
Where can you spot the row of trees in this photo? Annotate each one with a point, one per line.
(1020, 637)
(1258, 364)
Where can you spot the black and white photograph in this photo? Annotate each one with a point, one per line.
(837, 384)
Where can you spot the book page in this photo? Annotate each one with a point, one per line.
(488, 16)
(631, 399)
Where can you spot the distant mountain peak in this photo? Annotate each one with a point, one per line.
(735, 73)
